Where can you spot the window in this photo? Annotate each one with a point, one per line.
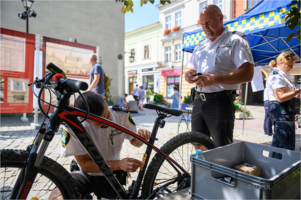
(171, 82)
(178, 19)
(146, 51)
(168, 22)
(252, 3)
(178, 52)
(167, 53)
(202, 5)
(219, 3)
(132, 52)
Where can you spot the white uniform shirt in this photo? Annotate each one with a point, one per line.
(135, 91)
(265, 95)
(278, 79)
(108, 140)
(222, 56)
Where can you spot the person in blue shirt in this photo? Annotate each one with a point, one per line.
(96, 76)
(122, 101)
(175, 98)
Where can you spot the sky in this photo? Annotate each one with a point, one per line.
(142, 16)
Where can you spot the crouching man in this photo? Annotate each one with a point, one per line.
(108, 141)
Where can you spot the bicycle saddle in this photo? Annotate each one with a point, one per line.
(174, 112)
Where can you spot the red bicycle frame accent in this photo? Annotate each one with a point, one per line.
(81, 113)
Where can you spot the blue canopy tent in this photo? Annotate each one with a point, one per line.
(265, 29)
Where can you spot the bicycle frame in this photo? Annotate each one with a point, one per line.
(69, 116)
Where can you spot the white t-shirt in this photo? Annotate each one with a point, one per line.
(278, 79)
(222, 56)
(265, 95)
(108, 140)
(135, 91)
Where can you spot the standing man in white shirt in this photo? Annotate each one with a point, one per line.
(226, 60)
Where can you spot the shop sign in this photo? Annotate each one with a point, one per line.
(174, 72)
(149, 69)
(131, 73)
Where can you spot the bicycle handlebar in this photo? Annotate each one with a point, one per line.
(75, 85)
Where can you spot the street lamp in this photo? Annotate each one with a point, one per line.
(28, 12)
(132, 57)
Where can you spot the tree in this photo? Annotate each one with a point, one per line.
(293, 19)
(128, 4)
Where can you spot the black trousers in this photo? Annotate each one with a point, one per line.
(214, 117)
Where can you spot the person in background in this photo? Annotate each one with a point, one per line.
(267, 126)
(135, 93)
(122, 101)
(148, 93)
(141, 97)
(175, 98)
(280, 91)
(96, 76)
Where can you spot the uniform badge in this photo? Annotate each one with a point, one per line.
(275, 72)
(65, 138)
(131, 120)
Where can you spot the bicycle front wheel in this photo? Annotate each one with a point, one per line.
(50, 176)
(161, 172)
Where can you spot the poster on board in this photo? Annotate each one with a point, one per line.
(17, 65)
(72, 58)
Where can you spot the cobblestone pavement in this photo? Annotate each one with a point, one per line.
(16, 134)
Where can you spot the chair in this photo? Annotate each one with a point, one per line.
(185, 116)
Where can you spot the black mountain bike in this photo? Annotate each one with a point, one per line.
(30, 174)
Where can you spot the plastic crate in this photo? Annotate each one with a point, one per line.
(280, 179)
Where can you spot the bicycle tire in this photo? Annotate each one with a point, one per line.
(168, 148)
(13, 158)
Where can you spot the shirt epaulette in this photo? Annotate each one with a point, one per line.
(120, 108)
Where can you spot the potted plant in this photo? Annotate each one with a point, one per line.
(167, 31)
(239, 111)
(176, 28)
(187, 100)
(160, 100)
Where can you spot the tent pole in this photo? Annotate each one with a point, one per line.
(289, 47)
(246, 94)
(180, 88)
(269, 42)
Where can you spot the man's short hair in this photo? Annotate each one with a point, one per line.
(95, 102)
(93, 56)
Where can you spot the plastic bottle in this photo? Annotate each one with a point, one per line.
(199, 154)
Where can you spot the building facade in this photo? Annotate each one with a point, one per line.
(96, 23)
(176, 18)
(144, 45)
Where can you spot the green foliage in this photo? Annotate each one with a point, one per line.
(293, 20)
(128, 4)
(160, 100)
(238, 106)
(100, 60)
(75, 40)
(187, 100)
(109, 98)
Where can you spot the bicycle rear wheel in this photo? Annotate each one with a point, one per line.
(50, 176)
(160, 171)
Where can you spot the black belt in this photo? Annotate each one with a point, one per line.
(213, 95)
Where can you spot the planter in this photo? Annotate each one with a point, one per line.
(240, 115)
(176, 28)
(167, 31)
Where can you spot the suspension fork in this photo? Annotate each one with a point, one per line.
(32, 164)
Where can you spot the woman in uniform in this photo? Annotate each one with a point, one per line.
(280, 90)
